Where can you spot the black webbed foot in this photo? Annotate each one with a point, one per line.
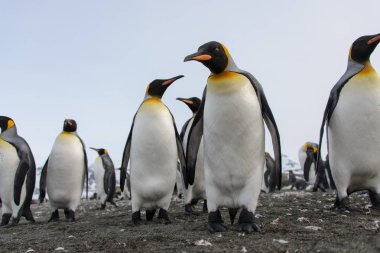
(150, 214)
(163, 215)
(188, 208)
(54, 216)
(246, 222)
(5, 219)
(215, 222)
(136, 218)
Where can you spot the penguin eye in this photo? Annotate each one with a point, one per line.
(216, 49)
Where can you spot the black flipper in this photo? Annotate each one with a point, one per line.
(20, 176)
(126, 154)
(306, 169)
(43, 182)
(353, 68)
(193, 142)
(85, 164)
(183, 131)
(270, 123)
(181, 154)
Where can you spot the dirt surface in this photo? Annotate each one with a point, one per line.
(291, 221)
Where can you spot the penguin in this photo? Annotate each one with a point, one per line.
(269, 182)
(153, 148)
(17, 174)
(64, 172)
(231, 121)
(352, 120)
(104, 177)
(307, 156)
(196, 191)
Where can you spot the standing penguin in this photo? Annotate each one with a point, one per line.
(269, 179)
(307, 156)
(352, 119)
(195, 191)
(17, 174)
(64, 172)
(104, 177)
(153, 146)
(231, 121)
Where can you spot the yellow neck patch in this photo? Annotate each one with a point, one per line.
(10, 124)
(223, 75)
(152, 100)
(227, 53)
(368, 69)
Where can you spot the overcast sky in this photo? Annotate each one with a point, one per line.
(92, 60)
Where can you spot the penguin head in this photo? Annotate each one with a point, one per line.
(69, 125)
(6, 123)
(158, 87)
(363, 47)
(100, 151)
(193, 103)
(213, 55)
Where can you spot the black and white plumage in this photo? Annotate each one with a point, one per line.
(352, 121)
(17, 174)
(231, 120)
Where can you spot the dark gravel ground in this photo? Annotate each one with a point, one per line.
(291, 221)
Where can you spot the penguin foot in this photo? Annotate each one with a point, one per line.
(28, 215)
(188, 208)
(136, 218)
(342, 204)
(113, 203)
(246, 222)
(375, 200)
(102, 206)
(54, 216)
(215, 222)
(150, 214)
(163, 215)
(232, 212)
(194, 202)
(205, 210)
(70, 216)
(5, 219)
(15, 221)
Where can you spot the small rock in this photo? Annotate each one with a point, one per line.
(122, 230)
(243, 249)
(275, 222)
(282, 241)
(71, 236)
(60, 249)
(203, 242)
(303, 219)
(30, 250)
(314, 228)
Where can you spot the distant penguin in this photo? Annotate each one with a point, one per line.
(269, 179)
(307, 156)
(195, 191)
(153, 148)
(17, 174)
(231, 122)
(352, 119)
(64, 172)
(104, 177)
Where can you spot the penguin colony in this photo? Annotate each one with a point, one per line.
(219, 155)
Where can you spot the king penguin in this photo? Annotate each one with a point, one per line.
(195, 191)
(153, 148)
(352, 119)
(64, 172)
(104, 177)
(17, 174)
(269, 178)
(307, 156)
(231, 121)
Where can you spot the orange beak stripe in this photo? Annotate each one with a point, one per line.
(202, 57)
(373, 40)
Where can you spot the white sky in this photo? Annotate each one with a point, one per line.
(91, 60)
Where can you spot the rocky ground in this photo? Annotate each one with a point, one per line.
(291, 221)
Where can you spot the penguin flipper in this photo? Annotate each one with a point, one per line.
(183, 131)
(193, 142)
(85, 164)
(20, 176)
(43, 182)
(181, 154)
(353, 68)
(109, 172)
(306, 169)
(126, 154)
(269, 121)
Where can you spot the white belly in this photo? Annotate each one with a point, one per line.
(153, 157)
(65, 172)
(233, 144)
(354, 135)
(9, 162)
(99, 179)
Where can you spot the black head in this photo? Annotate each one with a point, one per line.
(100, 151)
(6, 123)
(193, 103)
(69, 125)
(363, 47)
(213, 55)
(158, 87)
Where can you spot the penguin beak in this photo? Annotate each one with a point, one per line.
(97, 150)
(186, 101)
(171, 80)
(375, 39)
(198, 56)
